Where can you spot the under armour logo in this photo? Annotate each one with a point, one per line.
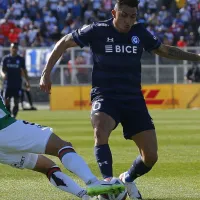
(110, 39)
(103, 163)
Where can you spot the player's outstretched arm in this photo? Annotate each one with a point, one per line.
(175, 53)
(60, 47)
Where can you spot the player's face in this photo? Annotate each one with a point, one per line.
(124, 18)
(13, 51)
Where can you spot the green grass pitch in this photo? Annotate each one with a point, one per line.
(175, 176)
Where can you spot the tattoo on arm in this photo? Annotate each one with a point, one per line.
(176, 53)
(179, 54)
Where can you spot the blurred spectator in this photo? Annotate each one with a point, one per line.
(13, 36)
(2, 38)
(107, 4)
(82, 72)
(76, 9)
(88, 14)
(61, 14)
(24, 21)
(6, 26)
(38, 20)
(190, 38)
(101, 13)
(152, 5)
(185, 14)
(41, 3)
(16, 9)
(50, 18)
(182, 43)
(193, 74)
(32, 9)
(169, 40)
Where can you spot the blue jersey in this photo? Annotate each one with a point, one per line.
(12, 66)
(117, 58)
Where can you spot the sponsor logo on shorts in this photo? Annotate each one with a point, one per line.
(19, 164)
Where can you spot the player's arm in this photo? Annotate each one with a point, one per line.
(3, 69)
(60, 47)
(175, 53)
(3, 73)
(24, 73)
(81, 37)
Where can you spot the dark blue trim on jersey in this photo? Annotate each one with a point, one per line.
(155, 47)
(77, 40)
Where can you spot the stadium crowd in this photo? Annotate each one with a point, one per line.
(39, 23)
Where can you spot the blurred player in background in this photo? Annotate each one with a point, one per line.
(117, 46)
(193, 74)
(13, 69)
(21, 146)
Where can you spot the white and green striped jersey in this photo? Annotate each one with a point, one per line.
(5, 118)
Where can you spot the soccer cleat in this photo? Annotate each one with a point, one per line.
(104, 187)
(132, 190)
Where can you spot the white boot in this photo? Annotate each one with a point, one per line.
(132, 190)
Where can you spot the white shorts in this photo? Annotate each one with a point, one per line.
(21, 142)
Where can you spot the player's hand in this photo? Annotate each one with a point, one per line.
(45, 83)
(28, 86)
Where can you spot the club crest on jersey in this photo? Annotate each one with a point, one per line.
(135, 40)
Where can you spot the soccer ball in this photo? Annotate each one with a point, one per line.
(120, 196)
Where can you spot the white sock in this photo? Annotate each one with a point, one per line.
(65, 183)
(75, 163)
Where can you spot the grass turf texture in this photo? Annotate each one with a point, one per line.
(175, 176)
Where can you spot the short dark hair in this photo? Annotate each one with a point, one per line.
(14, 45)
(130, 3)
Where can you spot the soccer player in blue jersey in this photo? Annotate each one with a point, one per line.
(12, 70)
(117, 45)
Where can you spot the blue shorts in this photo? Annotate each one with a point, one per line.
(12, 92)
(132, 114)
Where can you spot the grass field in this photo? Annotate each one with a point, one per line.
(175, 176)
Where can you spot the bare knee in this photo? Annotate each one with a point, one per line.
(55, 144)
(150, 159)
(102, 124)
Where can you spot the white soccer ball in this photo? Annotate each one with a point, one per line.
(120, 196)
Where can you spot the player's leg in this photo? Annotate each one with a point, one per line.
(16, 106)
(144, 136)
(69, 158)
(138, 126)
(29, 97)
(43, 165)
(22, 99)
(75, 163)
(7, 98)
(57, 177)
(104, 118)
(147, 145)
